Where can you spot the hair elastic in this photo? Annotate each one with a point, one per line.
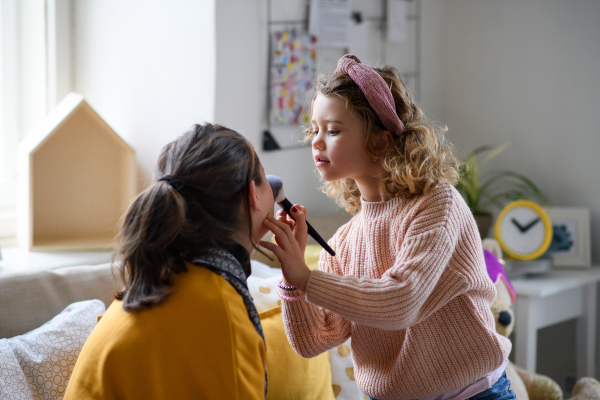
(378, 93)
(175, 184)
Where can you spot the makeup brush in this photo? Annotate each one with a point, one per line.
(279, 195)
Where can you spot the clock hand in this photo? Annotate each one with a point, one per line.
(514, 221)
(532, 223)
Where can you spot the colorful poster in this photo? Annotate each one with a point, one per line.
(293, 72)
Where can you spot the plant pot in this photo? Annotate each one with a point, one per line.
(484, 222)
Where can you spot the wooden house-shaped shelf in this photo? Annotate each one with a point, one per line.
(76, 179)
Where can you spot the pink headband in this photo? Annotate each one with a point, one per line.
(377, 92)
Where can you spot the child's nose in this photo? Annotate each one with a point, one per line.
(317, 142)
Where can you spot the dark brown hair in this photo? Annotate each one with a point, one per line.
(165, 224)
(414, 163)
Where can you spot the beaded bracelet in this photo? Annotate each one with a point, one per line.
(280, 286)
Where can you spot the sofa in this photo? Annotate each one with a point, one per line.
(46, 316)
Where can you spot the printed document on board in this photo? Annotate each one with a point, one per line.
(330, 22)
(396, 21)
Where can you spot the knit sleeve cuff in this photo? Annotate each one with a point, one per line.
(290, 295)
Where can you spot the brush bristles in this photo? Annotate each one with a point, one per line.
(277, 187)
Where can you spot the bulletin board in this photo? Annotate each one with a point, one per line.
(296, 59)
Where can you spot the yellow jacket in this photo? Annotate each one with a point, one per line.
(198, 343)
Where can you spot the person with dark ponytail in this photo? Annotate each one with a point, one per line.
(183, 325)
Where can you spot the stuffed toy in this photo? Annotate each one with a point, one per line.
(526, 385)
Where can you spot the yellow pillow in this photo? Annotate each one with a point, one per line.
(290, 376)
(311, 257)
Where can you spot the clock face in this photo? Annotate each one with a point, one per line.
(524, 230)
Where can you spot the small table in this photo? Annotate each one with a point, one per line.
(554, 297)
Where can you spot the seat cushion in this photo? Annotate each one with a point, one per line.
(292, 377)
(46, 356)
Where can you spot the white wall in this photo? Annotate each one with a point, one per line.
(433, 58)
(147, 67)
(32, 64)
(525, 71)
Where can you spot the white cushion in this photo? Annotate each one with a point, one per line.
(13, 383)
(342, 373)
(47, 355)
(263, 286)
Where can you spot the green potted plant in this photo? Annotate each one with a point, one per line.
(484, 191)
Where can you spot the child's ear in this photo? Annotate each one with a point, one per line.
(253, 199)
(382, 143)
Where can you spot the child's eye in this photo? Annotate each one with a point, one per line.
(315, 133)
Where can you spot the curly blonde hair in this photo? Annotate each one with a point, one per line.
(414, 163)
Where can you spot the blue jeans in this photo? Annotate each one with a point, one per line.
(499, 391)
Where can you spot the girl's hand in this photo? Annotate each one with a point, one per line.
(288, 251)
(298, 227)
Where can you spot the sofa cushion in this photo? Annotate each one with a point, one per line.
(47, 355)
(340, 380)
(29, 299)
(342, 373)
(292, 377)
(262, 285)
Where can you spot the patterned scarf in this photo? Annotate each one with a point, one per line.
(224, 263)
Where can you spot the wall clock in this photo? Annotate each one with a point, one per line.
(523, 230)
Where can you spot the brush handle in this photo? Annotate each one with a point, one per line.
(286, 205)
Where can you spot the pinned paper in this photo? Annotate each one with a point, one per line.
(396, 20)
(293, 71)
(329, 21)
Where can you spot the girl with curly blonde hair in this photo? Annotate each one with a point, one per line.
(408, 282)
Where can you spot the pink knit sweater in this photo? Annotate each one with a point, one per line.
(409, 285)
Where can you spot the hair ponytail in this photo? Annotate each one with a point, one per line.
(148, 243)
(204, 179)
